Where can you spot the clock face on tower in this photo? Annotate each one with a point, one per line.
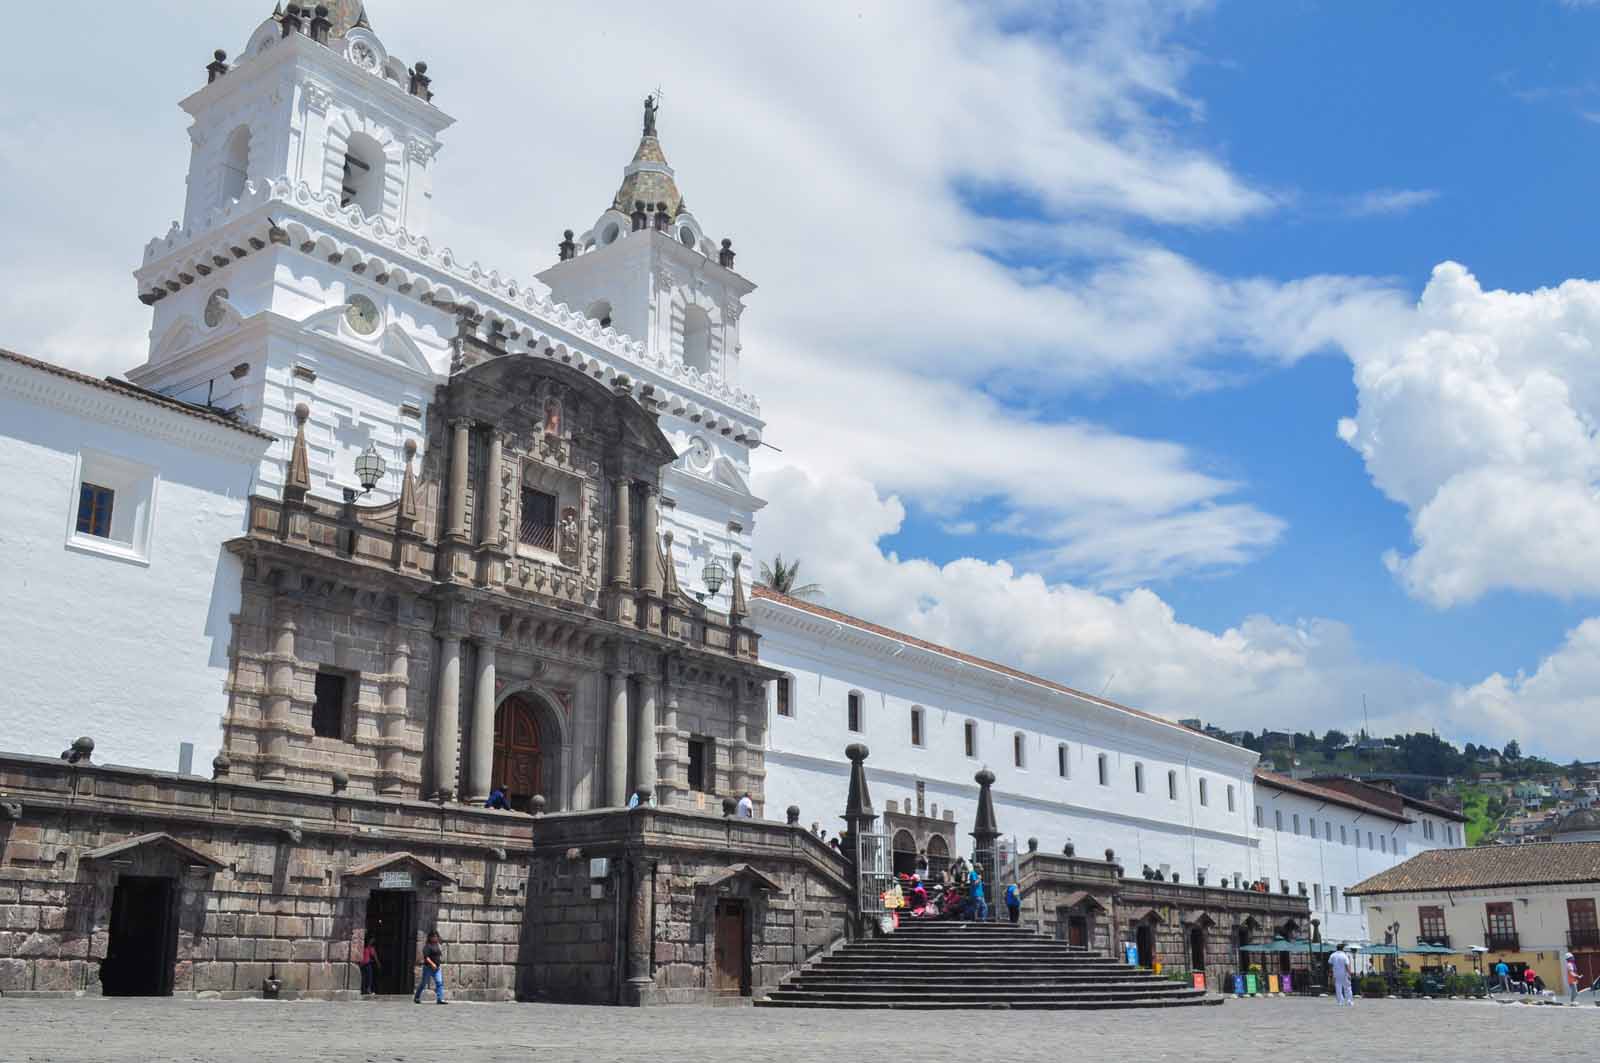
(362, 315)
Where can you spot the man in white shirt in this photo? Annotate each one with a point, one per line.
(1339, 964)
(747, 807)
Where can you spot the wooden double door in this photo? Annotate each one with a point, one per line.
(519, 751)
(730, 959)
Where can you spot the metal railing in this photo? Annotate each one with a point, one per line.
(1502, 942)
(1584, 939)
(1441, 940)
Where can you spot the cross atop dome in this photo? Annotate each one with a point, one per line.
(647, 183)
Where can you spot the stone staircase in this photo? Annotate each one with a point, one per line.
(952, 965)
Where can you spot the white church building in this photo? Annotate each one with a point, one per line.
(304, 322)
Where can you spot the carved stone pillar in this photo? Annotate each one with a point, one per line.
(480, 757)
(644, 735)
(669, 745)
(621, 533)
(456, 526)
(447, 715)
(617, 740)
(739, 749)
(391, 761)
(280, 694)
(649, 566)
(489, 501)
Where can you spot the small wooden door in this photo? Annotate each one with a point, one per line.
(1078, 931)
(517, 752)
(1145, 940)
(730, 966)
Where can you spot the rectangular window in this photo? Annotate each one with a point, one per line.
(1313, 827)
(1203, 798)
(1349, 904)
(1502, 925)
(969, 735)
(1261, 819)
(1370, 845)
(1105, 778)
(1019, 750)
(1300, 888)
(785, 706)
(1383, 843)
(1583, 932)
(1172, 786)
(1316, 895)
(1230, 798)
(1138, 778)
(94, 510)
(1430, 925)
(1297, 823)
(538, 526)
(700, 765)
(916, 727)
(1061, 760)
(852, 711)
(1327, 831)
(1343, 839)
(327, 713)
(1450, 833)
(1333, 898)
(1277, 819)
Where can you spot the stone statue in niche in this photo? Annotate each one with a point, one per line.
(552, 417)
(568, 543)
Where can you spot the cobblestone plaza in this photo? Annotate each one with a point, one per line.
(1279, 1030)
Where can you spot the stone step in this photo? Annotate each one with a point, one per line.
(945, 970)
(983, 999)
(1020, 984)
(913, 1004)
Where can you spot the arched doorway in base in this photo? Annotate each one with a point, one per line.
(1144, 939)
(905, 853)
(938, 856)
(527, 749)
(1197, 949)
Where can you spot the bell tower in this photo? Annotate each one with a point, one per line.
(647, 268)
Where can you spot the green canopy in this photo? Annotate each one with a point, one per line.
(1284, 945)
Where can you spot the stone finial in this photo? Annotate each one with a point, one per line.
(408, 485)
(81, 750)
(217, 67)
(643, 793)
(291, 20)
(420, 82)
(730, 806)
(1033, 845)
(220, 766)
(662, 219)
(321, 27)
(739, 609)
(11, 811)
(340, 780)
(725, 256)
(791, 815)
(984, 825)
(537, 804)
(669, 572)
(1111, 857)
(1069, 850)
(566, 249)
(299, 479)
(640, 217)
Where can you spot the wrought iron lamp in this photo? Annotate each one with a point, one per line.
(712, 576)
(370, 468)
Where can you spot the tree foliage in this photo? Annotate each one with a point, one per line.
(784, 577)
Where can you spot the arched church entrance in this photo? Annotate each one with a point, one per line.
(905, 853)
(526, 747)
(938, 856)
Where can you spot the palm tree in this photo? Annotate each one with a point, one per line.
(781, 577)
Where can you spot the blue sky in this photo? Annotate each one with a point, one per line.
(1239, 353)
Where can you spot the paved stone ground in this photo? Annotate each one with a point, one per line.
(1280, 1031)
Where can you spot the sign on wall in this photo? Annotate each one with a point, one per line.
(394, 880)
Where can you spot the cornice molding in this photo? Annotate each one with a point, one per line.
(130, 413)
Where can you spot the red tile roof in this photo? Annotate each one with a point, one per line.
(1488, 867)
(134, 391)
(761, 591)
(1323, 793)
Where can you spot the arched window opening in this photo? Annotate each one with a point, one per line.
(363, 175)
(905, 853)
(938, 856)
(697, 339)
(235, 164)
(599, 310)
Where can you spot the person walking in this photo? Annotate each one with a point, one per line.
(1529, 977)
(1503, 973)
(432, 969)
(1014, 902)
(369, 969)
(1572, 980)
(980, 904)
(1339, 964)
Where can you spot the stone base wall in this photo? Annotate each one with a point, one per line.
(1057, 887)
(265, 881)
(639, 927)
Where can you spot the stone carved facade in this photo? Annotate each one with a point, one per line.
(437, 607)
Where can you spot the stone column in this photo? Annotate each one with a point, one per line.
(644, 736)
(669, 744)
(739, 749)
(984, 832)
(649, 567)
(280, 694)
(639, 943)
(621, 536)
(456, 527)
(480, 757)
(489, 501)
(447, 715)
(617, 740)
(390, 762)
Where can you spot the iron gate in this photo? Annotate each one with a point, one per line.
(874, 874)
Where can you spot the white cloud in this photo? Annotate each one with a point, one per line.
(1478, 414)
(1391, 201)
